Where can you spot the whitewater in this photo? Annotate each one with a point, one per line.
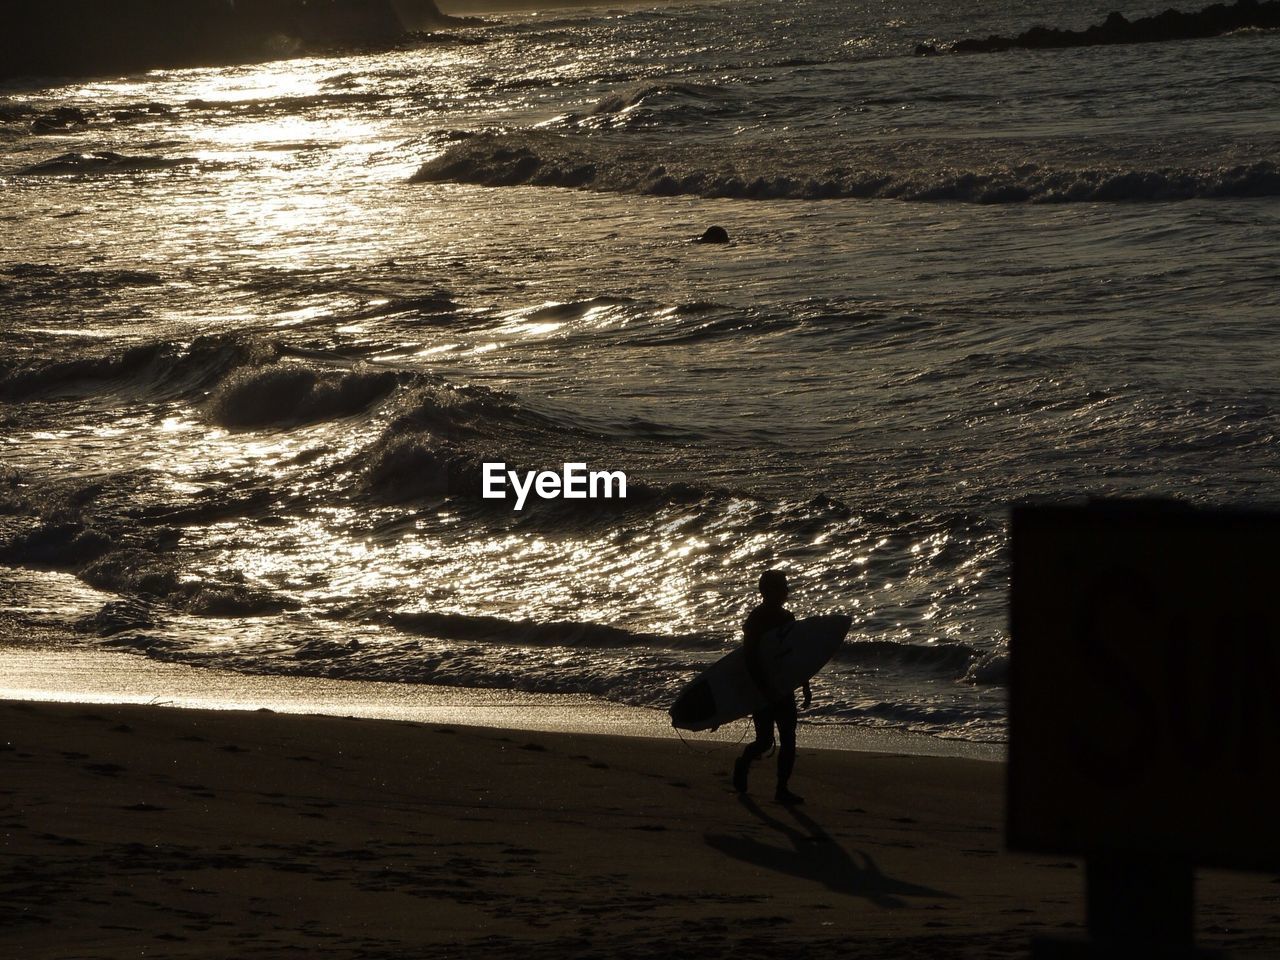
(261, 325)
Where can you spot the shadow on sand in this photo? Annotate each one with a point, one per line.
(815, 855)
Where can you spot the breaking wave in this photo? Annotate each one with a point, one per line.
(290, 393)
(158, 369)
(452, 626)
(102, 161)
(650, 103)
(950, 659)
(647, 92)
(499, 160)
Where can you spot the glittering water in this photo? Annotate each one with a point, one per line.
(262, 324)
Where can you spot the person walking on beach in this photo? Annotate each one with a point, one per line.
(768, 615)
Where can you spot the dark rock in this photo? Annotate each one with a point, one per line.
(61, 120)
(1212, 21)
(86, 37)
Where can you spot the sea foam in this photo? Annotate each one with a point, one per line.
(536, 159)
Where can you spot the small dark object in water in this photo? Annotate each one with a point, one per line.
(714, 235)
(926, 50)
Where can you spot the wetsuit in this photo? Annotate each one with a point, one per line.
(782, 710)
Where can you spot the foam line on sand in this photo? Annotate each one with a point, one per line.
(71, 674)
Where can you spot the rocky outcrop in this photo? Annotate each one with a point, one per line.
(1212, 21)
(87, 37)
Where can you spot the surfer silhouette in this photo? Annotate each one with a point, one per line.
(770, 614)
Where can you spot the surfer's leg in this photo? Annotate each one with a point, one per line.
(756, 749)
(786, 752)
(763, 742)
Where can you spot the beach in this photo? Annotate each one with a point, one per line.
(137, 830)
(284, 670)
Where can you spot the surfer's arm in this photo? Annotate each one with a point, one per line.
(808, 695)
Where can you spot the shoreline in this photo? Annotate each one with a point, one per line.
(70, 674)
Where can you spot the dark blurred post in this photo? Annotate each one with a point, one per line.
(1139, 903)
(1144, 723)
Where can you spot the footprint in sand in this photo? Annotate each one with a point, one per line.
(105, 769)
(61, 841)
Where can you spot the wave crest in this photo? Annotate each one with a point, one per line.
(556, 633)
(160, 368)
(498, 160)
(293, 393)
(633, 97)
(102, 161)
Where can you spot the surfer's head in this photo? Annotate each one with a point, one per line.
(773, 587)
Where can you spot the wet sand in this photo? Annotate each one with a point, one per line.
(145, 830)
(50, 666)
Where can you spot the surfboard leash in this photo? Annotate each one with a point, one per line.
(745, 729)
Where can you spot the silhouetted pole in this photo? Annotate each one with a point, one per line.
(1142, 904)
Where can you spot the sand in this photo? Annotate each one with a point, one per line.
(53, 667)
(152, 831)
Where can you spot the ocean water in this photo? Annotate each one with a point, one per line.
(260, 325)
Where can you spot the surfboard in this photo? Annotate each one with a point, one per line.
(725, 692)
